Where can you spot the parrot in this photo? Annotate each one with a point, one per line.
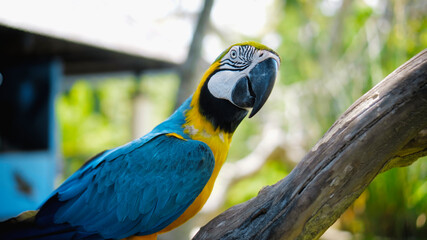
(156, 183)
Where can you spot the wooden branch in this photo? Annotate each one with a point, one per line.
(385, 128)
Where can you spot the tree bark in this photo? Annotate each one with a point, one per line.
(385, 128)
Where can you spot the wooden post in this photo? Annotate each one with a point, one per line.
(385, 128)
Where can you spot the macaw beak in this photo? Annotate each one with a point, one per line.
(252, 91)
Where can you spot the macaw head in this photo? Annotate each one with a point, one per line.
(240, 80)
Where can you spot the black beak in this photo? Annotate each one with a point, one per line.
(253, 91)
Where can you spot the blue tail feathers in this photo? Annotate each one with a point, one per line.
(39, 225)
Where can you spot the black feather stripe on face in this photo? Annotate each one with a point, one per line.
(242, 61)
(220, 112)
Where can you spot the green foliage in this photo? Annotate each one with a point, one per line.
(97, 115)
(93, 119)
(396, 199)
(394, 205)
(160, 89)
(248, 188)
(244, 140)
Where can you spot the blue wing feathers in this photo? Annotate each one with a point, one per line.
(138, 188)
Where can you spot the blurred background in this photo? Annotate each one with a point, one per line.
(79, 77)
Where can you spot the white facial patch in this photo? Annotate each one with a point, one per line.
(222, 83)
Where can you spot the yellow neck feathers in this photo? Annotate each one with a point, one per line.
(199, 128)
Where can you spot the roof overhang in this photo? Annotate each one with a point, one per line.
(19, 45)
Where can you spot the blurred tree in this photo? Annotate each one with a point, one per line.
(190, 68)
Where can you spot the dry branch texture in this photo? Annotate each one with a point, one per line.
(385, 128)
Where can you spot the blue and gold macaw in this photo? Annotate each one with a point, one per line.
(159, 181)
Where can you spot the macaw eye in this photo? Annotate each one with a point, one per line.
(233, 54)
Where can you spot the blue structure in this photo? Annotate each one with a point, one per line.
(32, 67)
(28, 141)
